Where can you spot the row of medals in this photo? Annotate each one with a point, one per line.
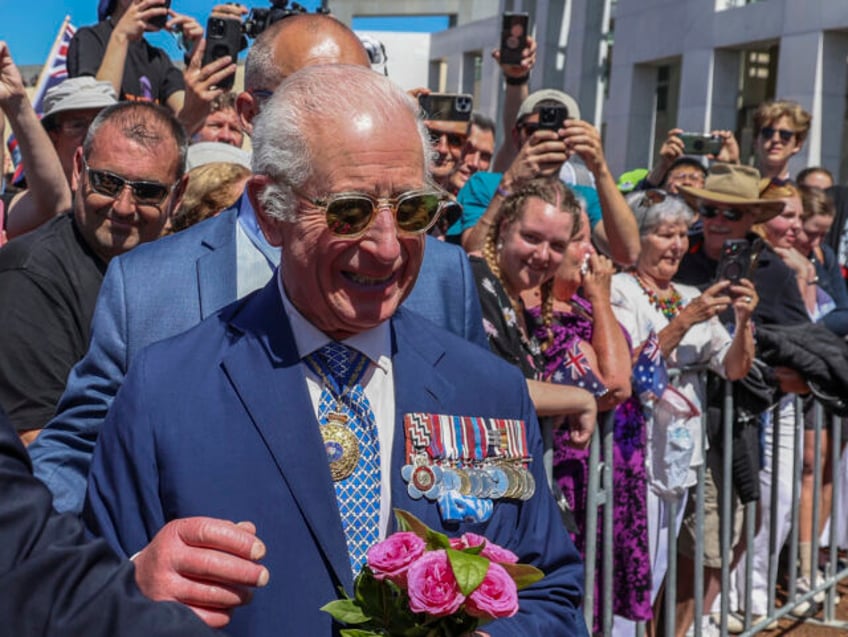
(494, 479)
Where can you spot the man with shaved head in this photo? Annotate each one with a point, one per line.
(187, 277)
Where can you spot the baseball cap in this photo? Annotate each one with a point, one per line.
(76, 93)
(529, 105)
(631, 178)
(207, 152)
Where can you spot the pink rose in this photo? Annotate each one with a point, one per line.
(432, 586)
(497, 595)
(491, 551)
(390, 559)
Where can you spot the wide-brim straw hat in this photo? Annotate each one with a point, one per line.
(736, 186)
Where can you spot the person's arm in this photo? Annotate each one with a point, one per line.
(542, 155)
(805, 275)
(551, 399)
(129, 28)
(608, 340)
(516, 92)
(617, 232)
(830, 273)
(202, 86)
(62, 452)
(49, 193)
(671, 149)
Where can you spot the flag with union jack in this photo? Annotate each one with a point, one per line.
(54, 71)
(650, 376)
(574, 370)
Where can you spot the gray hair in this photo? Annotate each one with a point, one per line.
(312, 98)
(654, 207)
(145, 123)
(260, 68)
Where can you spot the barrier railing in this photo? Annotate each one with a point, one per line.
(600, 496)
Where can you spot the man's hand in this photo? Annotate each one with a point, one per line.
(205, 563)
(190, 28)
(136, 20)
(543, 155)
(201, 87)
(584, 139)
(11, 84)
(729, 152)
(528, 60)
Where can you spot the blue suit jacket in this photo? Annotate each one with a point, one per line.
(218, 421)
(163, 288)
(55, 582)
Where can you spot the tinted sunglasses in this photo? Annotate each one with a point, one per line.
(455, 140)
(786, 135)
(109, 184)
(710, 212)
(349, 214)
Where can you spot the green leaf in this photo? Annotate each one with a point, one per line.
(408, 522)
(346, 611)
(523, 574)
(468, 569)
(358, 632)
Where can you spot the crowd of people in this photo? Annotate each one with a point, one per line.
(193, 331)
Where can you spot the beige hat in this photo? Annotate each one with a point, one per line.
(734, 185)
(77, 93)
(529, 105)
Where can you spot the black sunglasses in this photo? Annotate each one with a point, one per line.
(786, 135)
(349, 214)
(710, 212)
(108, 184)
(455, 140)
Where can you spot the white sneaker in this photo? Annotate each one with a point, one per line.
(803, 586)
(735, 624)
(708, 628)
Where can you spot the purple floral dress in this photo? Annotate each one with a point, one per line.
(631, 558)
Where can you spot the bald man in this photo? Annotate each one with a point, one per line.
(185, 278)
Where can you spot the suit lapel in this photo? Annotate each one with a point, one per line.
(216, 270)
(264, 369)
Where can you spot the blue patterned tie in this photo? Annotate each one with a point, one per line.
(358, 494)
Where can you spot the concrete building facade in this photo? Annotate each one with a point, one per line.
(640, 67)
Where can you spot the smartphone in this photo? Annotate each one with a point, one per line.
(513, 36)
(552, 117)
(160, 20)
(446, 107)
(735, 261)
(223, 39)
(700, 144)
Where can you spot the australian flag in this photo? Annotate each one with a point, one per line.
(650, 376)
(574, 370)
(55, 70)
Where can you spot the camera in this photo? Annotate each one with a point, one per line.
(700, 144)
(446, 107)
(552, 117)
(735, 261)
(513, 37)
(223, 39)
(160, 20)
(260, 19)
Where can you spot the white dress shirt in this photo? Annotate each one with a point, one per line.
(378, 382)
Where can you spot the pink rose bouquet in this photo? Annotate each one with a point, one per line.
(420, 583)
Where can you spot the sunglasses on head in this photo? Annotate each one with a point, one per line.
(786, 135)
(109, 184)
(349, 214)
(710, 212)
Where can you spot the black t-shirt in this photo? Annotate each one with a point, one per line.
(780, 300)
(149, 74)
(49, 280)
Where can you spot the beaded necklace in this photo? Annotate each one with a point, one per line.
(670, 306)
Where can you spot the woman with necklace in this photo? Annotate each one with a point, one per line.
(689, 333)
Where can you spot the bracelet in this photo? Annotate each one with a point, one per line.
(503, 192)
(517, 81)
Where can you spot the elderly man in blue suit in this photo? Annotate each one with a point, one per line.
(183, 279)
(250, 416)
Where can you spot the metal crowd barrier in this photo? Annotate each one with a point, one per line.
(600, 491)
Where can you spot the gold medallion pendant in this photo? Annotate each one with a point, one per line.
(341, 446)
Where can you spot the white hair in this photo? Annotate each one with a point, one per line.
(314, 98)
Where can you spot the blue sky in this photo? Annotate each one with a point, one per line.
(30, 27)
